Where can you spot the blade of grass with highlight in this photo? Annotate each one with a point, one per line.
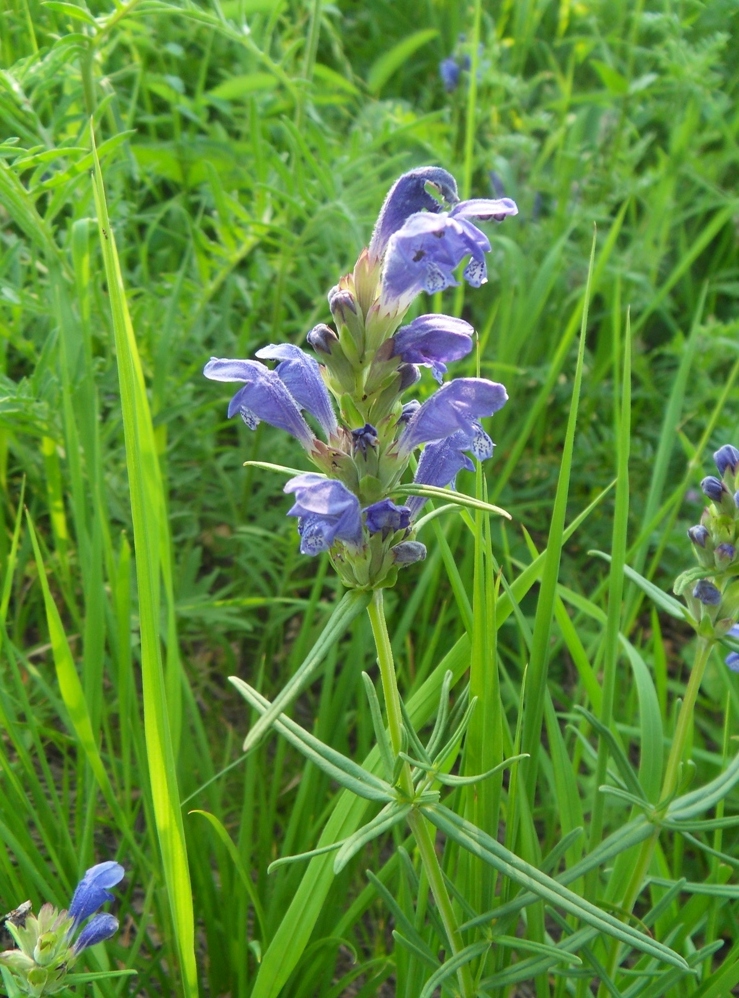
(146, 509)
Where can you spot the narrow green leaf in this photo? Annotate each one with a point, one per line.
(390, 816)
(452, 965)
(390, 62)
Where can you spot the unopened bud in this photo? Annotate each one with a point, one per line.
(707, 593)
(714, 488)
(724, 554)
(322, 338)
(727, 457)
(698, 535)
(409, 375)
(408, 552)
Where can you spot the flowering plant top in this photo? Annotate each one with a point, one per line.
(366, 365)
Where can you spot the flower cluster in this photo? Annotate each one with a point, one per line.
(47, 947)
(712, 589)
(365, 365)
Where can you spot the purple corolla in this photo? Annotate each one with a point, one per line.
(441, 461)
(327, 511)
(97, 930)
(449, 71)
(92, 891)
(263, 397)
(727, 457)
(434, 341)
(457, 405)
(423, 254)
(301, 375)
(407, 196)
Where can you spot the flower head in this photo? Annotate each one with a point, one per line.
(407, 196)
(449, 71)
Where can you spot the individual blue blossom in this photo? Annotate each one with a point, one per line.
(450, 71)
(457, 405)
(406, 197)
(423, 254)
(440, 463)
(433, 341)
(385, 517)
(327, 511)
(263, 397)
(727, 457)
(103, 926)
(92, 891)
(732, 659)
(301, 375)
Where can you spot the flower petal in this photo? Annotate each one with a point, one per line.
(407, 196)
(92, 890)
(433, 340)
(302, 377)
(99, 928)
(385, 517)
(263, 397)
(457, 405)
(327, 511)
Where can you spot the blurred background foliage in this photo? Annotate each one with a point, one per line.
(246, 147)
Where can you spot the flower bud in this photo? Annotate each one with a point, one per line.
(698, 535)
(322, 338)
(727, 457)
(724, 555)
(707, 593)
(714, 488)
(364, 437)
(408, 552)
(345, 310)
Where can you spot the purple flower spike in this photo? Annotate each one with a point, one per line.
(97, 930)
(385, 517)
(407, 196)
(92, 890)
(727, 457)
(263, 397)
(457, 405)
(302, 378)
(327, 511)
(434, 341)
(707, 593)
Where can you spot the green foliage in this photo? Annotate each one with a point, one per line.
(245, 148)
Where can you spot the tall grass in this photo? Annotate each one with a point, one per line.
(244, 148)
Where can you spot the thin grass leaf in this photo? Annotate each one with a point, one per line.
(452, 965)
(390, 816)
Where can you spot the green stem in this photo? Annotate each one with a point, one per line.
(669, 786)
(418, 824)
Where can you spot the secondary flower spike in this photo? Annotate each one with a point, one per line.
(46, 942)
(355, 386)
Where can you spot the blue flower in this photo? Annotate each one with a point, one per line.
(301, 375)
(449, 71)
(433, 341)
(407, 196)
(698, 535)
(457, 405)
(423, 254)
(92, 890)
(263, 397)
(440, 463)
(98, 929)
(327, 512)
(727, 457)
(385, 517)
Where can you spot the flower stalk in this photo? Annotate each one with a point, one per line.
(418, 824)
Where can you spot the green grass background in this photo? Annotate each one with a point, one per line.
(245, 147)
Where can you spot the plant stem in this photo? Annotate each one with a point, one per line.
(669, 786)
(417, 822)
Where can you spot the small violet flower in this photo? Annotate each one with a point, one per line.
(385, 517)
(301, 375)
(457, 405)
(450, 71)
(327, 511)
(433, 341)
(92, 891)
